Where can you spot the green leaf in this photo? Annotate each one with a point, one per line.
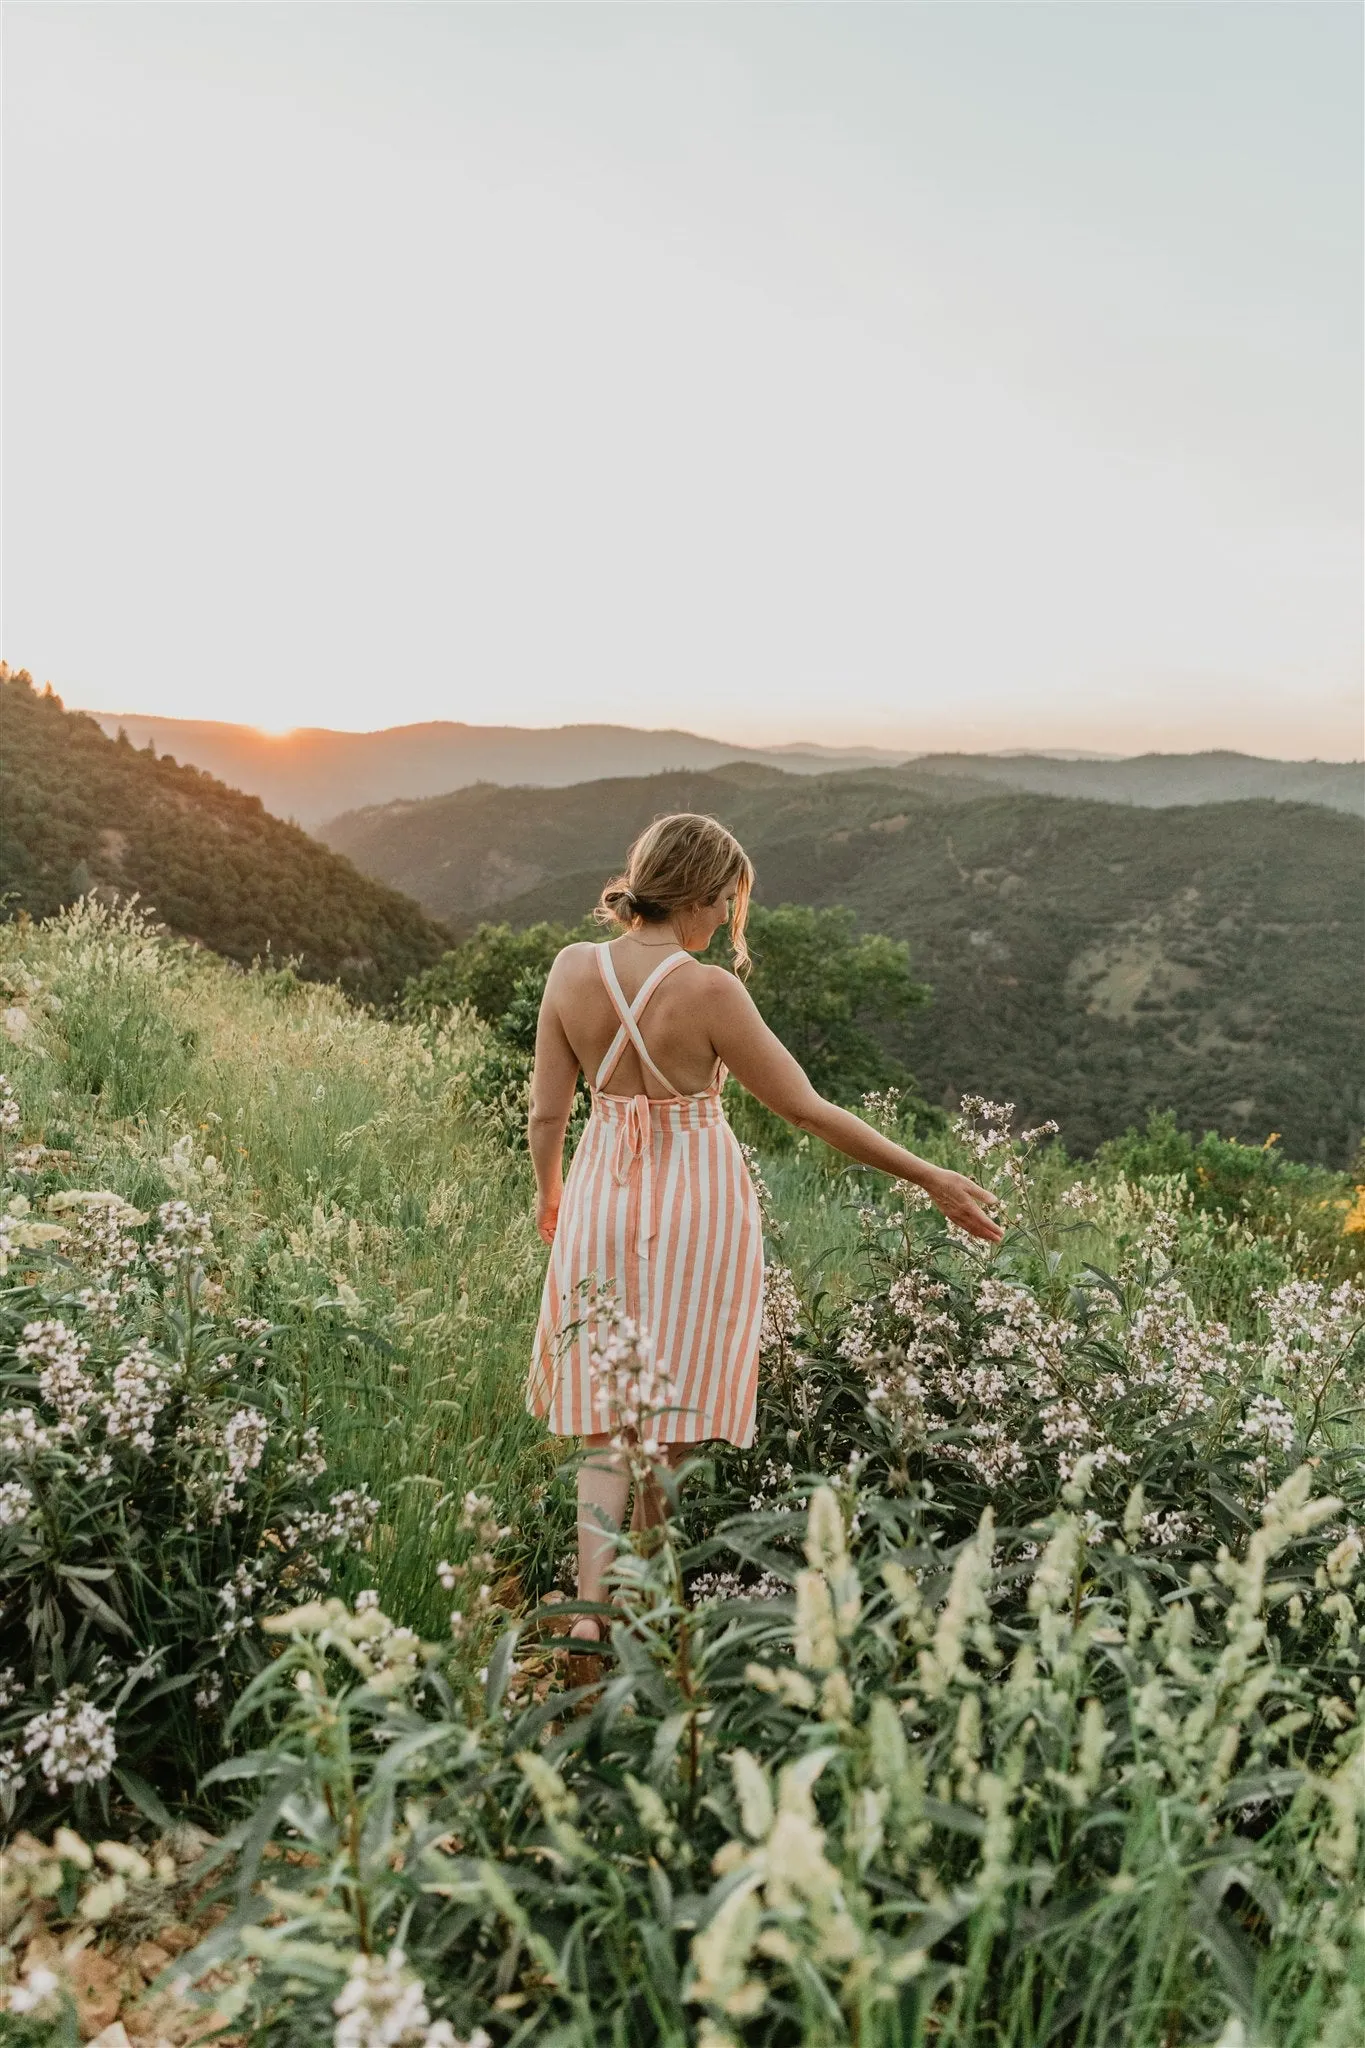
(144, 1798)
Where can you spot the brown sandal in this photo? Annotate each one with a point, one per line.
(585, 1664)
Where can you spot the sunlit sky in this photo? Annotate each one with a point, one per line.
(925, 375)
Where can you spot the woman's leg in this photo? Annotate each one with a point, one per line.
(603, 1483)
(651, 1502)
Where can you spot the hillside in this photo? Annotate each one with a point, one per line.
(79, 811)
(1090, 961)
(1161, 779)
(315, 774)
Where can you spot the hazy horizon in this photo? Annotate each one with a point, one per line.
(282, 734)
(929, 378)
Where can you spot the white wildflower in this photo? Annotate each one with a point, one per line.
(98, 1225)
(244, 1439)
(16, 1504)
(185, 1238)
(1268, 1420)
(347, 1519)
(383, 2005)
(633, 1389)
(60, 1357)
(22, 1435)
(140, 1391)
(72, 1740)
(781, 1310)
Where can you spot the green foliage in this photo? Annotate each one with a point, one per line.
(1093, 961)
(821, 984)
(1256, 1184)
(79, 811)
(486, 970)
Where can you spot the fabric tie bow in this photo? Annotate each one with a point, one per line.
(635, 1148)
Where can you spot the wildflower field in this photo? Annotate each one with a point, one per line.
(1005, 1692)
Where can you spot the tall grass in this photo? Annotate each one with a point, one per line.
(358, 1200)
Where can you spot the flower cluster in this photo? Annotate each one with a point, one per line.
(1000, 1158)
(1162, 1528)
(140, 1391)
(16, 1503)
(884, 1109)
(23, 1436)
(72, 1741)
(707, 1588)
(184, 1238)
(773, 1227)
(1267, 1419)
(346, 1521)
(633, 1390)
(243, 1443)
(99, 1226)
(1174, 1355)
(985, 1371)
(9, 1105)
(781, 1312)
(60, 1355)
(237, 1597)
(382, 2005)
(136, 1395)
(1309, 1321)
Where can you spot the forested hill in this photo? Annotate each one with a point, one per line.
(1215, 777)
(79, 810)
(1091, 961)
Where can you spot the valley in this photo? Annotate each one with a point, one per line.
(1090, 961)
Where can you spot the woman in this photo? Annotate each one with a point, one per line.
(658, 1208)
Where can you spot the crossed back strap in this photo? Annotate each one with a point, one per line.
(629, 1013)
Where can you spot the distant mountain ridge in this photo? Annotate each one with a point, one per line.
(82, 813)
(316, 774)
(1090, 961)
(1216, 777)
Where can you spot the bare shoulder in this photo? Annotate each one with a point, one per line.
(571, 964)
(718, 986)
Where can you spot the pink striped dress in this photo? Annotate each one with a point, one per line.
(659, 1209)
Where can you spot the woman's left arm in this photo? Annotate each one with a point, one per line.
(553, 1080)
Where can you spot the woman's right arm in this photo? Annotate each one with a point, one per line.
(761, 1063)
(554, 1076)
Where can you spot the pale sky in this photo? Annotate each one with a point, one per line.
(927, 375)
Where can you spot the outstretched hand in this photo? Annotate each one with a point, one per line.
(961, 1201)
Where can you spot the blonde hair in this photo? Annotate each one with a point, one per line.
(678, 863)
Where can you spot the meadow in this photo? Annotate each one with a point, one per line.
(1006, 1691)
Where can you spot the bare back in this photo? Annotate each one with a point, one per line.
(674, 1021)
